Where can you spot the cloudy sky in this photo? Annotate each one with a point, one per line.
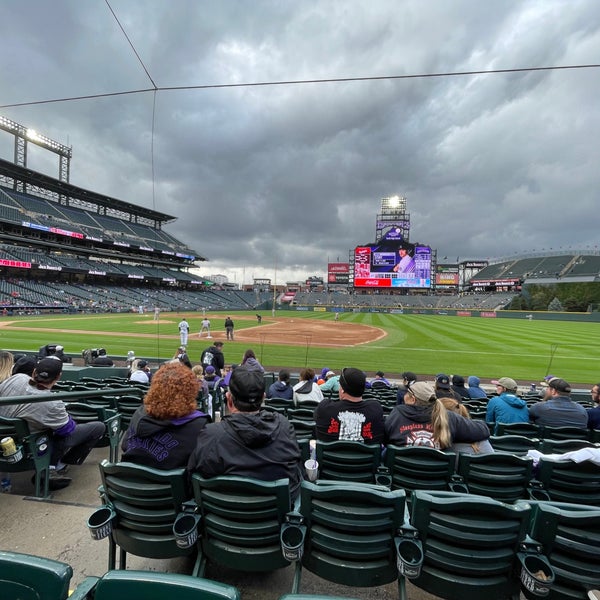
(288, 176)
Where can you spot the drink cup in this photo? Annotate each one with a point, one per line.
(311, 467)
(8, 446)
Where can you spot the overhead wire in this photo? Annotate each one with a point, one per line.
(301, 82)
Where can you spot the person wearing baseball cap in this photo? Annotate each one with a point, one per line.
(443, 388)
(506, 407)
(249, 441)
(423, 420)
(557, 409)
(71, 442)
(349, 417)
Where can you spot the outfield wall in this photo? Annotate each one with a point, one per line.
(485, 314)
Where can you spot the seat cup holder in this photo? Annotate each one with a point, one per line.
(185, 529)
(100, 522)
(409, 552)
(292, 541)
(537, 575)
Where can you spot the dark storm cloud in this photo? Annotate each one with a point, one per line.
(491, 165)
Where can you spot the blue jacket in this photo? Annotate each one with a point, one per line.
(474, 390)
(507, 408)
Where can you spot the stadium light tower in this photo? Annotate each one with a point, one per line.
(393, 214)
(24, 136)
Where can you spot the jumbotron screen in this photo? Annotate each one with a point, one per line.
(392, 265)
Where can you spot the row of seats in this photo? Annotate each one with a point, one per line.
(449, 544)
(499, 475)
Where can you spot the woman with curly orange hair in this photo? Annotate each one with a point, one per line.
(163, 431)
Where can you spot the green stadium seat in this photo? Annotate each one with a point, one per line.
(568, 481)
(26, 577)
(570, 538)
(241, 520)
(36, 451)
(472, 546)
(348, 461)
(145, 503)
(515, 444)
(85, 413)
(499, 475)
(526, 429)
(559, 446)
(419, 468)
(149, 585)
(565, 433)
(353, 532)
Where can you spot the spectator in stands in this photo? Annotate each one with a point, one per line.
(350, 417)
(7, 363)
(213, 356)
(408, 377)
(163, 431)
(140, 371)
(443, 389)
(480, 447)
(250, 361)
(71, 442)
(322, 377)
(423, 420)
(307, 388)
(226, 374)
(184, 331)
(331, 383)
(229, 327)
(182, 356)
(102, 360)
(594, 413)
(557, 409)
(248, 441)
(458, 386)
(24, 364)
(474, 389)
(506, 407)
(198, 371)
(281, 388)
(380, 381)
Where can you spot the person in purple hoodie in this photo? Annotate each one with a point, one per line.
(164, 430)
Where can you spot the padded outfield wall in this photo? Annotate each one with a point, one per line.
(485, 314)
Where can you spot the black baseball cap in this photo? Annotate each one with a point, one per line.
(247, 386)
(48, 369)
(443, 381)
(560, 385)
(353, 381)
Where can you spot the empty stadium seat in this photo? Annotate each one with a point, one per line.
(241, 522)
(145, 503)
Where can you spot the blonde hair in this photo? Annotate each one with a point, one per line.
(455, 406)
(7, 362)
(439, 419)
(198, 371)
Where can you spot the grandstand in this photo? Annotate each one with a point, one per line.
(65, 248)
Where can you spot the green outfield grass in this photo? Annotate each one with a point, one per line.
(426, 344)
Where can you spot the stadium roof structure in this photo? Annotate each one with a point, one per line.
(26, 176)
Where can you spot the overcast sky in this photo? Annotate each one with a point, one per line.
(289, 176)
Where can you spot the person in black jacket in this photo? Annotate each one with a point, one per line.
(213, 356)
(163, 431)
(248, 441)
(423, 420)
